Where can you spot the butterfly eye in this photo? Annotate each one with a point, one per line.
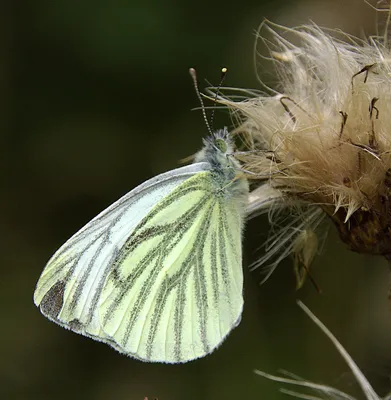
(221, 145)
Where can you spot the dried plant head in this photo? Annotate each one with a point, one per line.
(321, 391)
(323, 137)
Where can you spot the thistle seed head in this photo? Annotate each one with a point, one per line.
(324, 136)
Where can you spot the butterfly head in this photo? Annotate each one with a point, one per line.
(217, 149)
(218, 153)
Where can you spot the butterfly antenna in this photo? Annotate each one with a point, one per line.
(223, 74)
(194, 77)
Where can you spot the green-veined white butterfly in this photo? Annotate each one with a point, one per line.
(158, 274)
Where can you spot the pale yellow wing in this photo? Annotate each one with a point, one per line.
(70, 286)
(175, 288)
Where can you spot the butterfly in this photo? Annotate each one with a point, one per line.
(158, 274)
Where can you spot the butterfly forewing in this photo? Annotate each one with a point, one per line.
(70, 285)
(170, 296)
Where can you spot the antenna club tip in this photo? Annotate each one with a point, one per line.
(192, 71)
(224, 70)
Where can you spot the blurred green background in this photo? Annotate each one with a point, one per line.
(95, 97)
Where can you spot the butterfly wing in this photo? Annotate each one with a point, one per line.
(69, 288)
(174, 291)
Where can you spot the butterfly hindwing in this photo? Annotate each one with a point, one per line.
(175, 289)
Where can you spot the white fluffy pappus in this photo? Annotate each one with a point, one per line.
(323, 136)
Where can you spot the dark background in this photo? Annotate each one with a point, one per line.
(95, 97)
